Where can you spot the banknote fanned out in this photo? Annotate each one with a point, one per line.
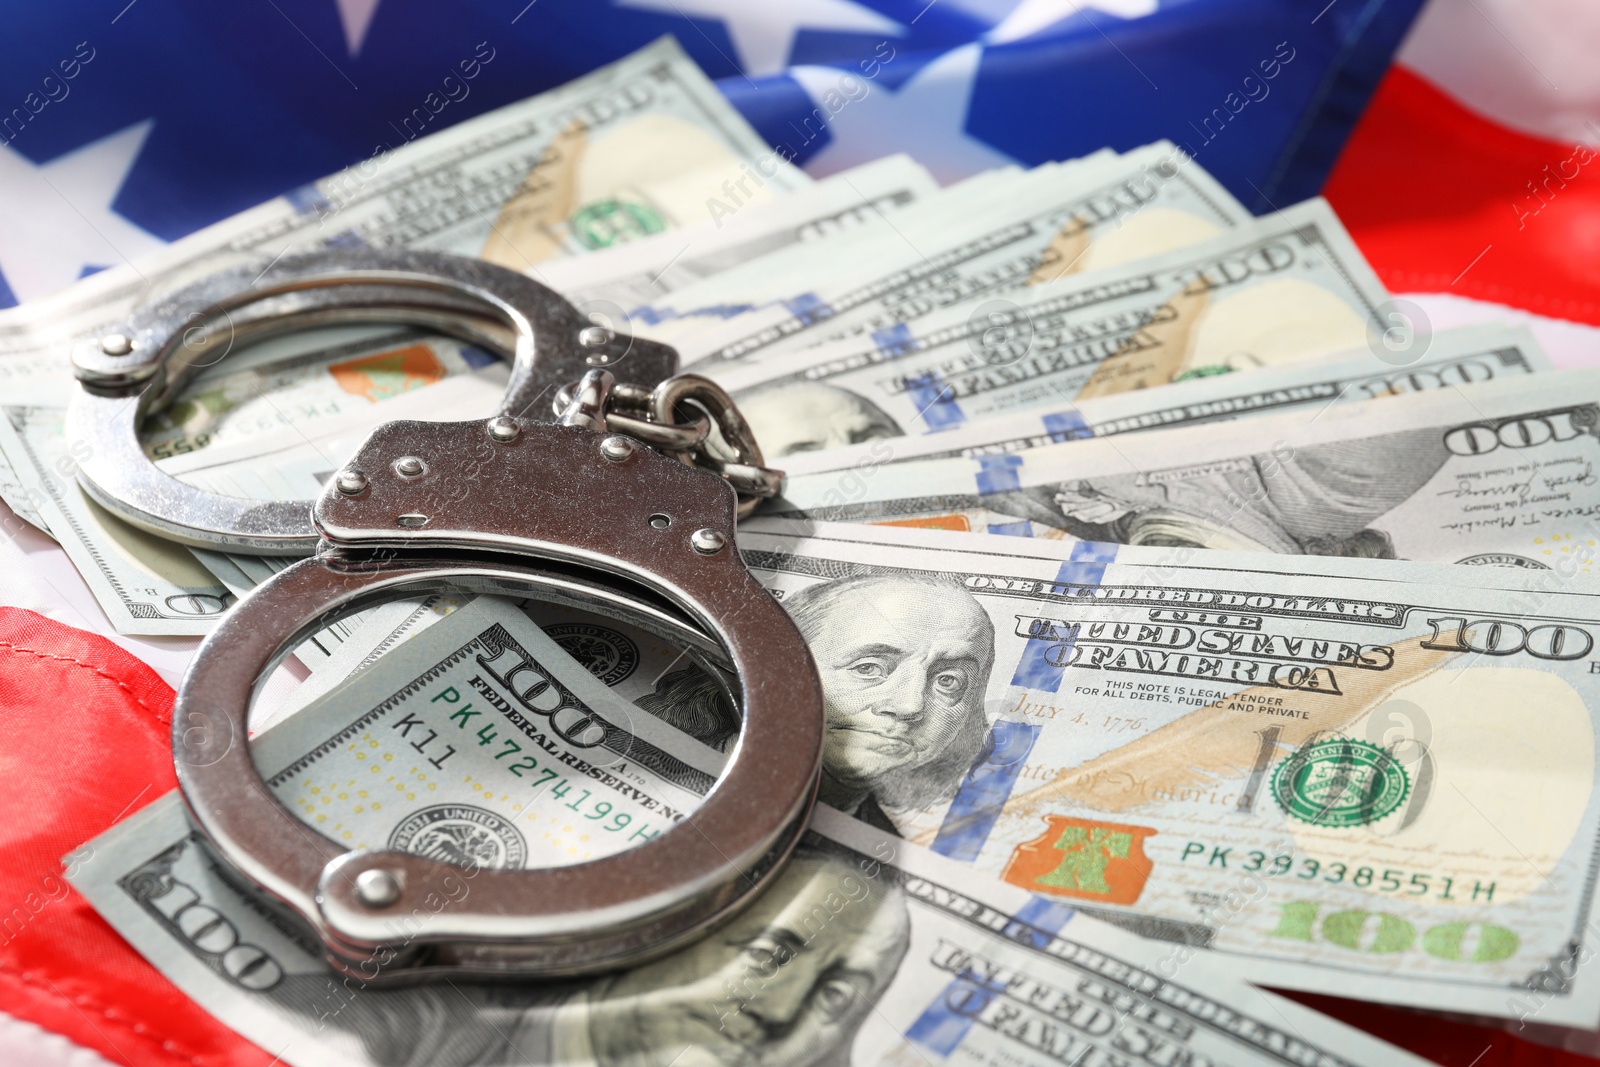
(1461, 356)
(1158, 357)
(1056, 221)
(883, 951)
(1275, 290)
(1216, 686)
(616, 281)
(1495, 472)
(1331, 738)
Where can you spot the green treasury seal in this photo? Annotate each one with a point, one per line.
(608, 222)
(1340, 782)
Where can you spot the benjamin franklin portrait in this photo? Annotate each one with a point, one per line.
(1318, 500)
(905, 663)
(799, 416)
(787, 983)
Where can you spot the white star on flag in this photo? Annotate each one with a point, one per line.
(356, 18)
(1031, 16)
(56, 217)
(763, 34)
(925, 117)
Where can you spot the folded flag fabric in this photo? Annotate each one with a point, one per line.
(122, 129)
(83, 740)
(1471, 173)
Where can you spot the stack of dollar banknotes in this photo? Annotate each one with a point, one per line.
(1188, 623)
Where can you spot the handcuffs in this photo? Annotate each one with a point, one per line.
(618, 503)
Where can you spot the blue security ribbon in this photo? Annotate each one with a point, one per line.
(1065, 426)
(985, 790)
(998, 474)
(944, 1023)
(936, 403)
(1085, 566)
(894, 340)
(808, 308)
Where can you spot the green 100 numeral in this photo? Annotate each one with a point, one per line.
(1297, 921)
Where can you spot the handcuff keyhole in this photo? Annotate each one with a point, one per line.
(660, 522)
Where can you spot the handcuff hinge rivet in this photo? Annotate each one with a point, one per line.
(616, 448)
(410, 467)
(707, 542)
(504, 429)
(116, 344)
(377, 888)
(351, 482)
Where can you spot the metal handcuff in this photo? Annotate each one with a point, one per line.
(627, 503)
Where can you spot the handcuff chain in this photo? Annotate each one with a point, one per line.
(664, 418)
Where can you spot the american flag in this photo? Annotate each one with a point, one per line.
(1462, 169)
(129, 124)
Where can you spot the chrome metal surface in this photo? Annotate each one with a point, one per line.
(587, 409)
(677, 417)
(350, 481)
(714, 399)
(757, 482)
(116, 344)
(635, 563)
(707, 541)
(676, 437)
(170, 340)
(616, 448)
(503, 428)
(377, 888)
(423, 506)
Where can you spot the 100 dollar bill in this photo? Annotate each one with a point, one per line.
(484, 720)
(635, 665)
(1315, 775)
(775, 276)
(1285, 287)
(1462, 356)
(1500, 472)
(144, 583)
(865, 948)
(1089, 215)
(643, 272)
